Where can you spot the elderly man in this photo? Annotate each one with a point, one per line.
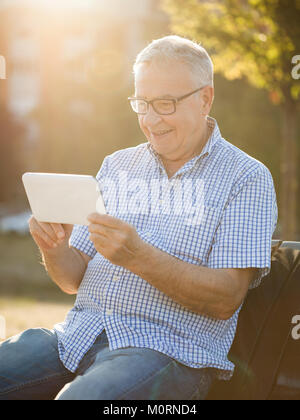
(161, 278)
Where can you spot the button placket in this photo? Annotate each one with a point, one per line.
(109, 295)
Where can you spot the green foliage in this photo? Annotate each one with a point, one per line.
(255, 38)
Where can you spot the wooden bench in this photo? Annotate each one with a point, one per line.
(266, 348)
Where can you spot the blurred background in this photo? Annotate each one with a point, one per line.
(65, 75)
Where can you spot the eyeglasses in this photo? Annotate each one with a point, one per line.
(162, 106)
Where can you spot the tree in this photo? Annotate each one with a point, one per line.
(255, 39)
(11, 164)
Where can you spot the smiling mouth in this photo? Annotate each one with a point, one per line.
(161, 133)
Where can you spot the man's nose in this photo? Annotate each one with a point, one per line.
(152, 116)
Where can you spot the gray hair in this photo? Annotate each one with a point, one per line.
(174, 47)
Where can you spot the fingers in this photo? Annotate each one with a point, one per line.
(99, 239)
(46, 235)
(106, 220)
(100, 230)
(58, 230)
(48, 229)
(41, 237)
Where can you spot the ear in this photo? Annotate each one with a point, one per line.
(207, 99)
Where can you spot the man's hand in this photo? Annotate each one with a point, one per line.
(115, 239)
(49, 236)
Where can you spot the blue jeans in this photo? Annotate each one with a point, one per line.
(30, 369)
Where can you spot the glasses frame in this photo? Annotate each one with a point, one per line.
(174, 100)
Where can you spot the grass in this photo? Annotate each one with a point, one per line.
(28, 297)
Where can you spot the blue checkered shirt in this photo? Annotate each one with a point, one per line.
(237, 223)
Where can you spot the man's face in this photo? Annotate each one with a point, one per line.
(177, 136)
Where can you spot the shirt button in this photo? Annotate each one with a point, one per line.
(109, 312)
(116, 278)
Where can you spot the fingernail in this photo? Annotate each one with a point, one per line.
(60, 235)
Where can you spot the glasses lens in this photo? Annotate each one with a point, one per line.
(164, 106)
(139, 106)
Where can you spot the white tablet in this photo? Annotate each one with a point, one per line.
(62, 198)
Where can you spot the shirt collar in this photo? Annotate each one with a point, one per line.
(213, 137)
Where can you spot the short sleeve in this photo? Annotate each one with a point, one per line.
(244, 235)
(80, 234)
